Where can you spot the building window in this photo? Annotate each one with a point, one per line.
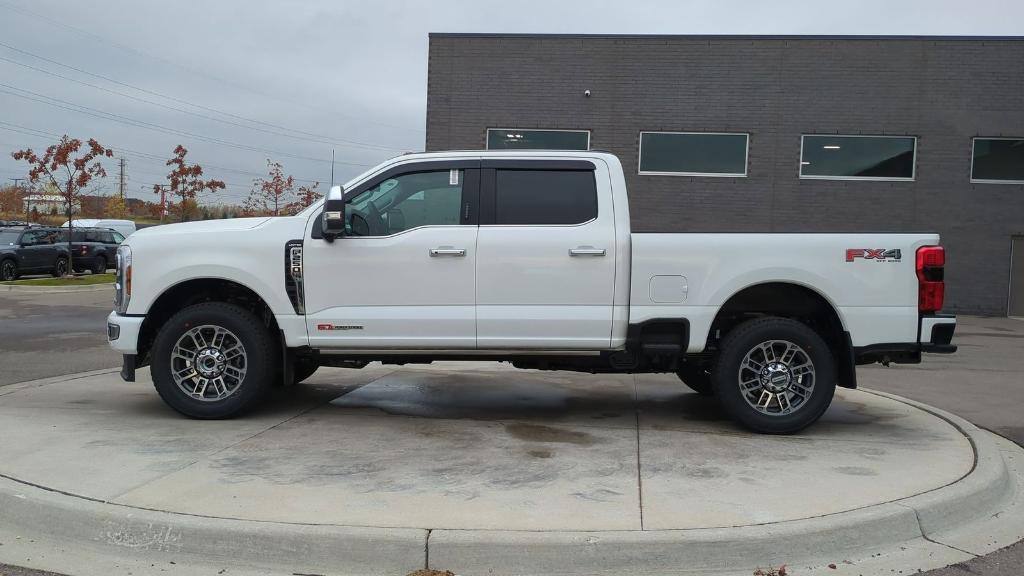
(998, 161)
(693, 154)
(516, 139)
(857, 157)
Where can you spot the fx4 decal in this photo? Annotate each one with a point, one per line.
(877, 254)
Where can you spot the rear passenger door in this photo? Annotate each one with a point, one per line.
(545, 256)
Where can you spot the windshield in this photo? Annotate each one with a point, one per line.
(8, 237)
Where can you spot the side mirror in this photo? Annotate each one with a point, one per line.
(333, 224)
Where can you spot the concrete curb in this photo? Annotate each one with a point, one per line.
(54, 289)
(988, 486)
(116, 530)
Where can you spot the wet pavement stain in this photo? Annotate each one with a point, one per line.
(541, 433)
(855, 471)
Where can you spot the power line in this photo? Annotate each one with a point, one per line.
(146, 156)
(105, 40)
(71, 106)
(309, 138)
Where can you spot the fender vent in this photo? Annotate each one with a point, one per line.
(293, 275)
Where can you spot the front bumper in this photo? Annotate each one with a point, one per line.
(123, 332)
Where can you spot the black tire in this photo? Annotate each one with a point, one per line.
(726, 376)
(60, 267)
(8, 270)
(261, 356)
(697, 378)
(100, 265)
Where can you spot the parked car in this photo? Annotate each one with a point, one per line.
(33, 250)
(125, 227)
(93, 249)
(525, 257)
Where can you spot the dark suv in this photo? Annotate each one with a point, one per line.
(32, 251)
(93, 249)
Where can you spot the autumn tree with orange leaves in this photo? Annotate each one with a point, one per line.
(273, 195)
(186, 182)
(60, 167)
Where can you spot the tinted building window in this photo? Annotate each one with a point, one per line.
(693, 154)
(998, 160)
(544, 196)
(858, 157)
(514, 139)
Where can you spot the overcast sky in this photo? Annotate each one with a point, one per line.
(238, 81)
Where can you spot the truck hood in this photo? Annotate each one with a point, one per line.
(224, 225)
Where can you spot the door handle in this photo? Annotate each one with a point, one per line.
(445, 251)
(586, 251)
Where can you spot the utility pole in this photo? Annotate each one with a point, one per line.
(163, 199)
(16, 185)
(121, 184)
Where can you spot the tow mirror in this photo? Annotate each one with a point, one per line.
(334, 214)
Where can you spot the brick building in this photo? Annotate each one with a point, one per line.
(766, 133)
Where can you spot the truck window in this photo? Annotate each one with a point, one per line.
(544, 197)
(406, 201)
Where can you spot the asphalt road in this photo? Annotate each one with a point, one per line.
(43, 335)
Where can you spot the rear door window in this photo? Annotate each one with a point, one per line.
(544, 197)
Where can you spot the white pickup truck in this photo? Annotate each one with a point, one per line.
(524, 257)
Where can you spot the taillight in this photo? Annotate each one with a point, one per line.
(83, 250)
(931, 261)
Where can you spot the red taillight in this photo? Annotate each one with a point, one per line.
(83, 249)
(930, 278)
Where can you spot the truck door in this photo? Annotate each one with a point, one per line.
(403, 275)
(545, 255)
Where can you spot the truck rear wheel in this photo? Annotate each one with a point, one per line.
(213, 360)
(774, 375)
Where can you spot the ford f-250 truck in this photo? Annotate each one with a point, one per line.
(525, 257)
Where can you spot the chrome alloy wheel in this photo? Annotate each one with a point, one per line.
(776, 377)
(208, 363)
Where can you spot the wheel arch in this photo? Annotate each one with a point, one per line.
(193, 291)
(795, 300)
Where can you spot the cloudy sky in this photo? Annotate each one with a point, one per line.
(240, 81)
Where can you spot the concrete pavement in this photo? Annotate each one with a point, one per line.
(534, 472)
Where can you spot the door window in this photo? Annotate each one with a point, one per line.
(405, 202)
(544, 197)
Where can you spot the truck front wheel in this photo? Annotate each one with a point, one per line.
(213, 360)
(774, 375)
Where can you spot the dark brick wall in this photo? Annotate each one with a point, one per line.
(944, 91)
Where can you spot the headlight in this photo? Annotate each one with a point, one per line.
(123, 282)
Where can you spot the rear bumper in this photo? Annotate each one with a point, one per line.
(935, 335)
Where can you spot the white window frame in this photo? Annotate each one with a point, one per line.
(974, 142)
(746, 156)
(913, 166)
(487, 135)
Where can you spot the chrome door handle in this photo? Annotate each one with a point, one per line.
(447, 252)
(586, 251)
